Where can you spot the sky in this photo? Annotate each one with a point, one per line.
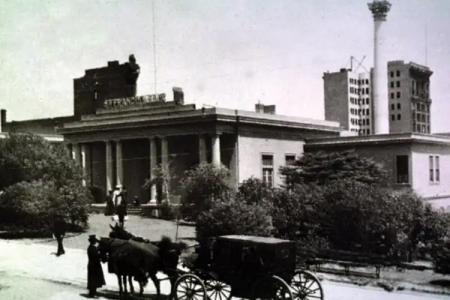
(227, 53)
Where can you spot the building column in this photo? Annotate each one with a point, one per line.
(76, 152)
(153, 165)
(119, 163)
(203, 158)
(215, 144)
(109, 166)
(84, 162)
(165, 165)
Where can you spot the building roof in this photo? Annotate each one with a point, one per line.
(168, 113)
(394, 138)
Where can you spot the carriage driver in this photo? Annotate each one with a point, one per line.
(96, 278)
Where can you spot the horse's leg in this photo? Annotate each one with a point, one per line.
(124, 279)
(141, 288)
(130, 280)
(119, 280)
(156, 282)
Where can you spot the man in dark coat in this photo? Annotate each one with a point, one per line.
(122, 207)
(59, 231)
(96, 278)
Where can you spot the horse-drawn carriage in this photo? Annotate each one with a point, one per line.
(246, 267)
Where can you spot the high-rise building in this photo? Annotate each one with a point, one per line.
(409, 97)
(348, 100)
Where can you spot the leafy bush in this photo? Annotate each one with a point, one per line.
(322, 168)
(253, 190)
(40, 182)
(202, 186)
(294, 214)
(233, 217)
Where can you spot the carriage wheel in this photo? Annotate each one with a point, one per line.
(306, 286)
(272, 288)
(217, 290)
(189, 287)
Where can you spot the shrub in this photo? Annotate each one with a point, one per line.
(168, 212)
(233, 217)
(253, 190)
(202, 186)
(294, 213)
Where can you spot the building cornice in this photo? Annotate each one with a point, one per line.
(396, 138)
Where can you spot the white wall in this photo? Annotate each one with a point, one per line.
(251, 149)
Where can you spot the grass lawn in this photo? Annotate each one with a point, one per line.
(152, 229)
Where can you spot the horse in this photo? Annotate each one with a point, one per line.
(127, 262)
(141, 259)
(172, 250)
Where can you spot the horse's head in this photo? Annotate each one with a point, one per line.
(118, 232)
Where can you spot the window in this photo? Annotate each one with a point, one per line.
(398, 83)
(367, 91)
(368, 130)
(392, 106)
(367, 111)
(431, 164)
(392, 84)
(289, 159)
(399, 106)
(267, 169)
(393, 117)
(392, 74)
(398, 95)
(368, 122)
(392, 95)
(402, 164)
(398, 73)
(434, 169)
(399, 117)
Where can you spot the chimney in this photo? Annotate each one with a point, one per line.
(178, 95)
(2, 119)
(379, 9)
(265, 109)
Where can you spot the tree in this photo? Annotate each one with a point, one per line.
(233, 217)
(202, 186)
(321, 168)
(40, 182)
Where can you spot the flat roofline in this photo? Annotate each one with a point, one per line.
(221, 114)
(380, 139)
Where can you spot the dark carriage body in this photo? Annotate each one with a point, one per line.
(246, 266)
(241, 261)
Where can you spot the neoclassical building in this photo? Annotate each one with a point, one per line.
(120, 138)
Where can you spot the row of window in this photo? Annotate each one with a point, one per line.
(422, 128)
(361, 91)
(359, 81)
(359, 112)
(396, 72)
(361, 131)
(421, 118)
(394, 94)
(399, 106)
(402, 164)
(267, 167)
(395, 84)
(360, 121)
(399, 117)
(422, 107)
(360, 101)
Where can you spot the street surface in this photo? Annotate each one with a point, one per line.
(32, 271)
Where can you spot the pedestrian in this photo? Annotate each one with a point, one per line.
(96, 278)
(122, 207)
(59, 231)
(109, 204)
